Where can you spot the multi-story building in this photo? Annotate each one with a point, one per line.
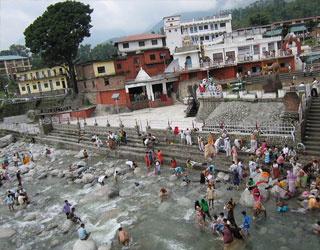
(153, 55)
(206, 29)
(11, 65)
(137, 43)
(43, 81)
(98, 81)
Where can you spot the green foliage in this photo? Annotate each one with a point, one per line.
(56, 34)
(99, 52)
(285, 30)
(310, 25)
(37, 62)
(258, 19)
(277, 10)
(15, 49)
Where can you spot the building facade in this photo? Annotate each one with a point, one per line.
(98, 81)
(12, 65)
(43, 81)
(206, 29)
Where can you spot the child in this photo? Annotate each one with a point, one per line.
(115, 177)
(214, 226)
(317, 231)
(186, 178)
(200, 216)
(236, 180)
(282, 206)
(246, 222)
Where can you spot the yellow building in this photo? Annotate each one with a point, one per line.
(39, 81)
(104, 68)
(12, 65)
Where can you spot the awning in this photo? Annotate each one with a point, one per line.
(273, 32)
(298, 28)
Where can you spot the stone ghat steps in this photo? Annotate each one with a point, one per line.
(180, 154)
(124, 154)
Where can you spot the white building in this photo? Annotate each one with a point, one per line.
(234, 48)
(136, 43)
(205, 29)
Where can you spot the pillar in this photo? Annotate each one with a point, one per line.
(164, 88)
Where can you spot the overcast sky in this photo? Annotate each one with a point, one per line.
(110, 18)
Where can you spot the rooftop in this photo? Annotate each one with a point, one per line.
(12, 57)
(140, 37)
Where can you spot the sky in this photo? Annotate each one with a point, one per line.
(110, 18)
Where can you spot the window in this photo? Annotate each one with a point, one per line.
(213, 36)
(270, 46)
(195, 29)
(49, 73)
(200, 27)
(205, 27)
(141, 44)
(217, 57)
(153, 57)
(135, 60)
(57, 84)
(54, 72)
(191, 29)
(256, 50)
(169, 31)
(106, 82)
(162, 55)
(119, 66)
(31, 75)
(154, 42)
(125, 45)
(175, 30)
(211, 27)
(101, 70)
(207, 38)
(34, 86)
(93, 84)
(222, 25)
(84, 85)
(171, 24)
(216, 26)
(201, 38)
(46, 85)
(23, 88)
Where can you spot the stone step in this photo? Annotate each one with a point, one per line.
(312, 153)
(308, 138)
(313, 129)
(312, 143)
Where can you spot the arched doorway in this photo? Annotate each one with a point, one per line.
(188, 62)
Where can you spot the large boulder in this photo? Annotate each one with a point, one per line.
(6, 140)
(127, 192)
(6, 232)
(259, 178)
(277, 191)
(173, 178)
(220, 176)
(247, 199)
(81, 164)
(87, 178)
(108, 215)
(24, 169)
(55, 172)
(30, 217)
(66, 227)
(79, 155)
(51, 226)
(42, 176)
(226, 177)
(100, 194)
(84, 245)
(105, 247)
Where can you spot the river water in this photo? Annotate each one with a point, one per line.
(151, 224)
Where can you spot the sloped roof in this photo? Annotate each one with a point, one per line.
(140, 37)
(142, 76)
(298, 28)
(273, 32)
(12, 57)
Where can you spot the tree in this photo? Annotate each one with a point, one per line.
(310, 25)
(258, 19)
(19, 50)
(56, 34)
(37, 62)
(285, 30)
(5, 53)
(103, 51)
(84, 53)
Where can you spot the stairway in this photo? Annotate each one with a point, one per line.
(312, 132)
(192, 109)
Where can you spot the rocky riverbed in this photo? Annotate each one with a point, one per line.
(170, 224)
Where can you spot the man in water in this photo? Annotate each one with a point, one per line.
(101, 179)
(123, 237)
(19, 178)
(82, 233)
(66, 208)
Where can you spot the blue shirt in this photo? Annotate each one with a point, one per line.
(246, 220)
(9, 200)
(82, 232)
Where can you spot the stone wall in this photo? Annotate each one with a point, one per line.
(207, 105)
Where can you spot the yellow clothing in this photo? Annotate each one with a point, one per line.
(210, 139)
(313, 203)
(26, 160)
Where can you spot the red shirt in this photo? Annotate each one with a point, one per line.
(173, 164)
(280, 159)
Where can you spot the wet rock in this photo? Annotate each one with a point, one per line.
(263, 230)
(30, 217)
(183, 184)
(164, 207)
(99, 194)
(259, 178)
(66, 227)
(78, 181)
(108, 215)
(184, 202)
(54, 242)
(226, 178)
(79, 155)
(42, 176)
(85, 245)
(24, 169)
(6, 232)
(173, 178)
(220, 176)
(18, 214)
(246, 199)
(87, 178)
(60, 175)
(105, 247)
(81, 164)
(31, 165)
(55, 172)
(113, 194)
(51, 226)
(6, 140)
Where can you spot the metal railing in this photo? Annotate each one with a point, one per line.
(266, 128)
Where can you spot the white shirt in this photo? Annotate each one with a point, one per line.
(101, 179)
(233, 167)
(285, 150)
(182, 135)
(130, 163)
(115, 174)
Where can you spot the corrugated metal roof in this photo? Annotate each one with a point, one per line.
(298, 28)
(140, 37)
(273, 32)
(13, 57)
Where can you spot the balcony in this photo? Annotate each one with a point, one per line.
(23, 79)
